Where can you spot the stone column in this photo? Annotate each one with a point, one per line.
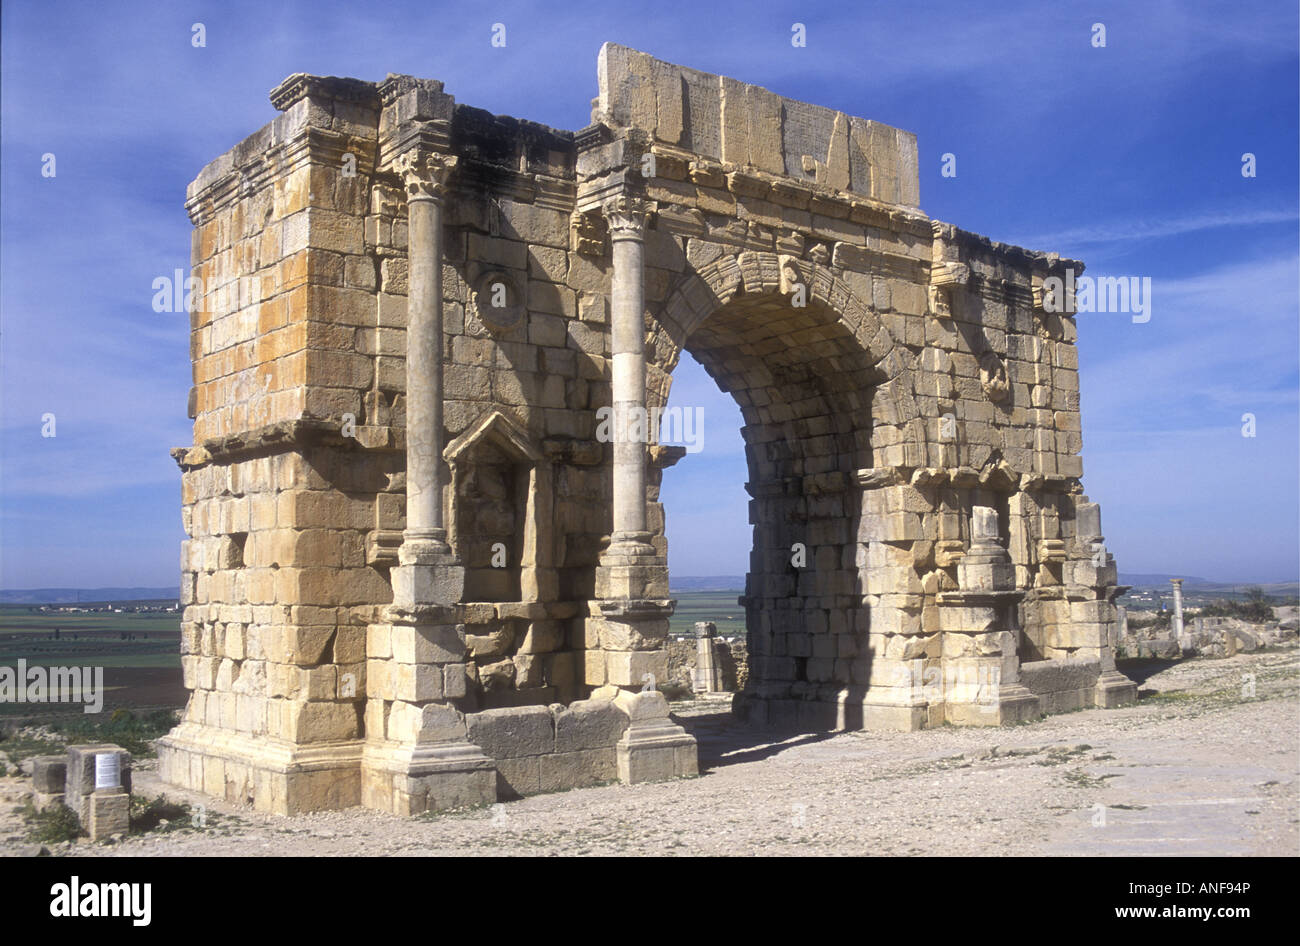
(427, 574)
(1178, 608)
(627, 221)
(630, 616)
(417, 755)
(632, 578)
(708, 675)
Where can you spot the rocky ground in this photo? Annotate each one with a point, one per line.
(1199, 766)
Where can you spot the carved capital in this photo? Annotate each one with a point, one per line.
(424, 173)
(627, 217)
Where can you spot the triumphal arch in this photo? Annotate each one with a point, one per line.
(417, 577)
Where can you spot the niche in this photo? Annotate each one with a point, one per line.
(493, 515)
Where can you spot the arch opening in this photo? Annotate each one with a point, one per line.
(805, 387)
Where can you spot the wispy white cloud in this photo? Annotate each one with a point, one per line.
(1129, 230)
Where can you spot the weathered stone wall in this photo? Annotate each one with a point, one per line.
(898, 379)
(1203, 637)
(732, 657)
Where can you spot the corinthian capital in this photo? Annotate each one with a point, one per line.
(627, 217)
(424, 173)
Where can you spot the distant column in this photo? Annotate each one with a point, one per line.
(708, 675)
(1178, 607)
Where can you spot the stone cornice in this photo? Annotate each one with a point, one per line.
(314, 146)
(303, 85)
(283, 437)
(789, 192)
(1035, 260)
(398, 84)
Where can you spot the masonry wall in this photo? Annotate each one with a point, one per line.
(893, 373)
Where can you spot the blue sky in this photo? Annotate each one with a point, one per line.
(1127, 157)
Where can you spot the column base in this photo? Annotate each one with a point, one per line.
(631, 569)
(410, 780)
(1114, 689)
(653, 748)
(423, 584)
(1013, 703)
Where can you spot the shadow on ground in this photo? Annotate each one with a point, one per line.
(723, 740)
(1142, 669)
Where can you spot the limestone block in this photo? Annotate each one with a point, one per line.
(512, 732)
(542, 637)
(628, 668)
(589, 724)
(318, 722)
(415, 683)
(495, 643)
(561, 771)
(531, 223)
(518, 777)
(427, 643)
(50, 773)
(108, 814)
(593, 667)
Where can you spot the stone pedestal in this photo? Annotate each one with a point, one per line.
(1114, 689)
(427, 763)
(631, 571)
(1091, 580)
(630, 636)
(79, 783)
(981, 667)
(437, 580)
(653, 748)
(417, 756)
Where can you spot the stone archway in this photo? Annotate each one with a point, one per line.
(492, 286)
(818, 379)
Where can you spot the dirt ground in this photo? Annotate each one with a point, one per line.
(1199, 766)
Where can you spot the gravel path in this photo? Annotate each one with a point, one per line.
(1195, 768)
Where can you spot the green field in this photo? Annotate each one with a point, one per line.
(89, 638)
(139, 651)
(720, 607)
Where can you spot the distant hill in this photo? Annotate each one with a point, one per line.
(1205, 586)
(706, 583)
(73, 595)
(1136, 579)
(1153, 578)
